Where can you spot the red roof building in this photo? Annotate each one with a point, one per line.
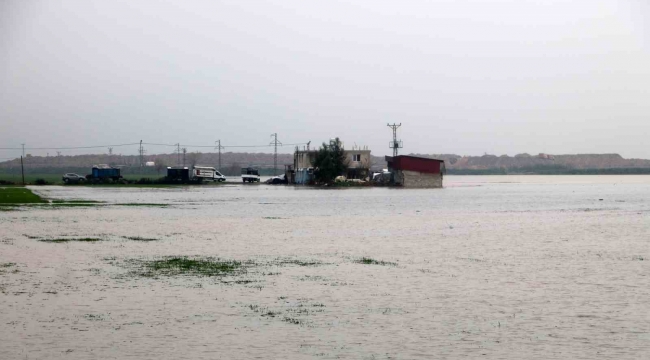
(416, 171)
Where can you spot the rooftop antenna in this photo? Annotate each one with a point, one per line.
(395, 144)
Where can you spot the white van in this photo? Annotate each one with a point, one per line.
(203, 173)
(218, 176)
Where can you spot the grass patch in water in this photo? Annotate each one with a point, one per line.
(142, 204)
(174, 266)
(93, 317)
(139, 238)
(293, 321)
(281, 262)
(4, 266)
(64, 240)
(76, 202)
(19, 195)
(370, 261)
(62, 205)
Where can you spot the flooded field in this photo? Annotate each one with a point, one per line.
(499, 267)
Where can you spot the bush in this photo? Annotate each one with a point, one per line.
(6, 182)
(40, 181)
(330, 162)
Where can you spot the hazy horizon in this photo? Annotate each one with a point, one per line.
(463, 77)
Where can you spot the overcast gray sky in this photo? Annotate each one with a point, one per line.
(462, 76)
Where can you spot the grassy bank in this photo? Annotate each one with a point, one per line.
(19, 195)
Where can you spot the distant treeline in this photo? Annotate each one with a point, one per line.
(550, 170)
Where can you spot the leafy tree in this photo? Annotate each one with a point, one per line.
(160, 165)
(193, 158)
(330, 162)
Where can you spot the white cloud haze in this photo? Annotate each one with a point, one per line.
(462, 76)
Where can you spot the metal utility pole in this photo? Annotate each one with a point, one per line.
(395, 145)
(178, 151)
(23, 144)
(110, 150)
(141, 154)
(275, 142)
(184, 152)
(22, 168)
(218, 142)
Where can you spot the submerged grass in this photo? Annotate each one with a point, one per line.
(64, 240)
(139, 238)
(76, 202)
(175, 266)
(142, 204)
(282, 262)
(4, 266)
(370, 261)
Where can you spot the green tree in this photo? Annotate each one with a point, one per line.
(330, 162)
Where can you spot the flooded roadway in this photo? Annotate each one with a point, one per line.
(498, 267)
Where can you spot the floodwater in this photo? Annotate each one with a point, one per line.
(495, 267)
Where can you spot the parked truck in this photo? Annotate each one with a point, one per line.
(250, 174)
(103, 173)
(193, 174)
(201, 173)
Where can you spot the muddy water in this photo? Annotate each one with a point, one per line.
(489, 267)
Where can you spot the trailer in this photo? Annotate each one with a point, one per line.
(178, 173)
(250, 174)
(198, 174)
(103, 172)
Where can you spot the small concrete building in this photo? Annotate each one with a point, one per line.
(415, 171)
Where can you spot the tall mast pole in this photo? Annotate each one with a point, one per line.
(218, 142)
(395, 145)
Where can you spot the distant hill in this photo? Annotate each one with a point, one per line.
(232, 162)
(227, 159)
(541, 163)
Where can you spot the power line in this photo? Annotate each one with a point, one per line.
(68, 148)
(144, 143)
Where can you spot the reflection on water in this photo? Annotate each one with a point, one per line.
(491, 267)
